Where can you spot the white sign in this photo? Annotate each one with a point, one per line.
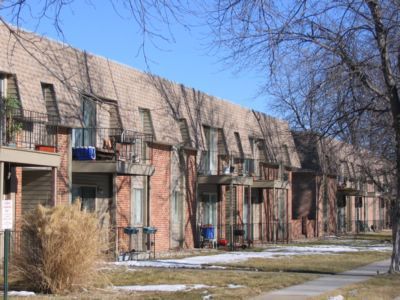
(6, 214)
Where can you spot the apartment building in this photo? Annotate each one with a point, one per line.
(140, 151)
(338, 190)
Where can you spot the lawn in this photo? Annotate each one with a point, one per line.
(380, 287)
(249, 278)
(315, 264)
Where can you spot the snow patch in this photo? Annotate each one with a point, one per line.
(162, 287)
(235, 286)
(338, 297)
(209, 261)
(21, 294)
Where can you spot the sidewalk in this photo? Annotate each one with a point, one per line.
(327, 283)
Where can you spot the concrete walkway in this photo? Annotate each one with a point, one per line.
(327, 283)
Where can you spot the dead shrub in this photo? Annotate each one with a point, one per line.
(60, 249)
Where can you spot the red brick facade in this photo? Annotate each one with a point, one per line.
(160, 195)
(190, 200)
(63, 172)
(123, 205)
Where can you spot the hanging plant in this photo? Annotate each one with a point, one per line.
(11, 109)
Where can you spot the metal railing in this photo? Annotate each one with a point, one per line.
(357, 226)
(28, 129)
(115, 143)
(246, 234)
(212, 163)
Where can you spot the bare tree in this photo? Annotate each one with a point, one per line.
(333, 65)
(153, 18)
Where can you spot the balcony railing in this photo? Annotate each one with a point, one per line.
(28, 129)
(113, 144)
(245, 234)
(357, 226)
(212, 163)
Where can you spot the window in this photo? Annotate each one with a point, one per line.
(252, 146)
(183, 127)
(358, 202)
(248, 166)
(211, 155)
(209, 204)
(8, 86)
(86, 136)
(138, 211)
(286, 155)
(239, 143)
(49, 97)
(341, 201)
(3, 86)
(146, 122)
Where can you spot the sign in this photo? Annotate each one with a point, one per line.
(6, 214)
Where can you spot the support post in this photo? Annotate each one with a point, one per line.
(231, 237)
(7, 234)
(249, 235)
(54, 185)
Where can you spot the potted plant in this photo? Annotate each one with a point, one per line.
(10, 108)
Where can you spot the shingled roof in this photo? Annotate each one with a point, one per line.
(35, 60)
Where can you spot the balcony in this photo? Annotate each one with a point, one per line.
(224, 169)
(269, 175)
(351, 187)
(111, 150)
(28, 137)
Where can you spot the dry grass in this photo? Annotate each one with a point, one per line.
(60, 248)
(253, 284)
(382, 287)
(318, 264)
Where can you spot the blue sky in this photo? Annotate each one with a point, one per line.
(99, 30)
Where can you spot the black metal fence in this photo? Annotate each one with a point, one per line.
(115, 143)
(28, 129)
(245, 235)
(358, 226)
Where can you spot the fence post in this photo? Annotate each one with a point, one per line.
(7, 233)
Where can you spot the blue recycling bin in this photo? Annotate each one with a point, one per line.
(207, 232)
(84, 153)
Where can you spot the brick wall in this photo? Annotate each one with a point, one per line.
(63, 172)
(18, 198)
(122, 210)
(190, 200)
(123, 205)
(160, 195)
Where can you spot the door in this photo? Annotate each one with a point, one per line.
(209, 208)
(177, 238)
(341, 213)
(138, 219)
(281, 233)
(86, 195)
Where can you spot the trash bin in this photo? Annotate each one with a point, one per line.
(150, 230)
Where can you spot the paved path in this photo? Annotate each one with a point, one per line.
(327, 283)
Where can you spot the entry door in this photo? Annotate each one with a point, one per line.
(210, 211)
(86, 195)
(281, 213)
(176, 220)
(138, 219)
